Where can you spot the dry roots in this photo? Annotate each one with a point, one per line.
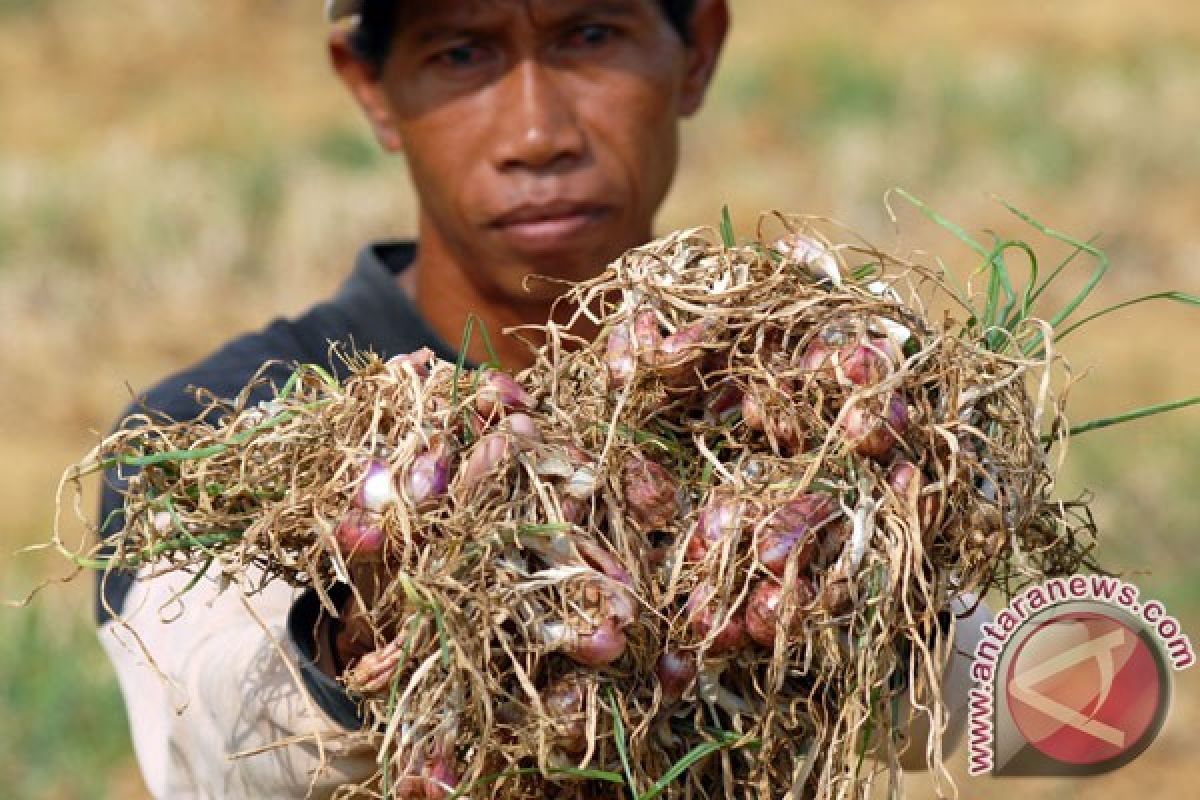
(709, 552)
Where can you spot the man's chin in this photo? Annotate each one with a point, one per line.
(542, 279)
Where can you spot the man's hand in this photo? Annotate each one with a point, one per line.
(349, 642)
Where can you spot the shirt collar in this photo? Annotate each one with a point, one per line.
(383, 316)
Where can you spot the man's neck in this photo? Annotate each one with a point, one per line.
(447, 298)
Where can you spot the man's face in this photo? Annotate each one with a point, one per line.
(541, 135)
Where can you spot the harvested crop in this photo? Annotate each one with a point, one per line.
(702, 554)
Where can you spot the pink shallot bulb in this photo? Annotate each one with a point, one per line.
(792, 529)
(752, 411)
(779, 426)
(565, 701)
(360, 533)
(522, 426)
(702, 619)
(619, 356)
(874, 435)
(418, 361)
(440, 778)
(486, 456)
(436, 779)
(377, 491)
(650, 493)
(817, 357)
(599, 558)
(498, 392)
(907, 481)
(779, 542)
(631, 343)
(647, 336)
(765, 603)
(719, 519)
(602, 645)
(723, 403)
(868, 362)
(429, 476)
(676, 672)
(680, 353)
(864, 362)
(810, 253)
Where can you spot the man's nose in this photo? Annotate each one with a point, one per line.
(538, 129)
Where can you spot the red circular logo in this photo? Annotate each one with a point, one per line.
(1084, 688)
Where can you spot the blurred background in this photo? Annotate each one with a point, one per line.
(174, 173)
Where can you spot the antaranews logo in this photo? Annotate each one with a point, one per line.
(1072, 679)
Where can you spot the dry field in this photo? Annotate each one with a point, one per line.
(173, 173)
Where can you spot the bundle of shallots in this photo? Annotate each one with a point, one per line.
(717, 550)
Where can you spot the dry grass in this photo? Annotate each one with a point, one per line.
(173, 173)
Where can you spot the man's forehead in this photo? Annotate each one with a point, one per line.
(538, 11)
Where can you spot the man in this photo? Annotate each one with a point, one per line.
(541, 137)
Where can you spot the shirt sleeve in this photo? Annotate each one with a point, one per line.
(223, 701)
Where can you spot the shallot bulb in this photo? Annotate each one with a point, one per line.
(702, 620)
(377, 491)
(907, 481)
(604, 644)
(612, 601)
(723, 403)
(752, 411)
(418, 361)
(440, 778)
(494, 450)
(719, 519)
(640, 341)
(574, 510)
(491, 451)
(522, 426)
(764, 605)
(630, 343)
(872, 434)
(436, 779)
(498, 392)
(619, 356)
(599, 558)
(782, 428)
(835, 597)
(429, 476)
(676, 672)
(565, 701)
(817, 357)
(680, 353)
(566, 550)
(360, 533)
(374, 671)
(791, 532)
(810, 253)
(866, 363)
(650, 493)
(857, 363)
(647, 336)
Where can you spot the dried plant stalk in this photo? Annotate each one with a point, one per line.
(703, 554)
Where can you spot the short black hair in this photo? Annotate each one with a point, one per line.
(371, 38)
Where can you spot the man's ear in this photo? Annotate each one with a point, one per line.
(709, 25)
(363, 81)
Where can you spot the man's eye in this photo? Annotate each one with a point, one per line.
(462, 55)
(591, 36)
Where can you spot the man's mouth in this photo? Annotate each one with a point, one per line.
(550, 225)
